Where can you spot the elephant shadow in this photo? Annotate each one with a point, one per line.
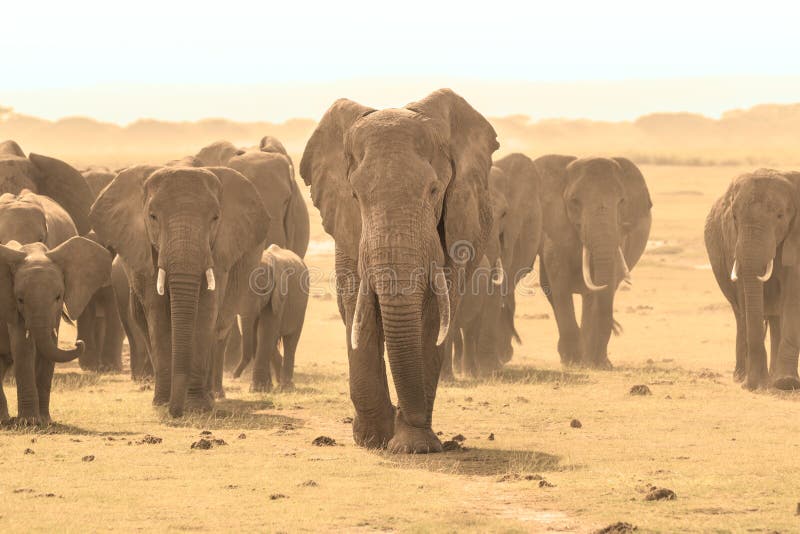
(480, 462)
(63, 381)
(523, 375)
(234, 414)
(52, 429)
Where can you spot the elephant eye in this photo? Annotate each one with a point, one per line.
(58, 297)
(153, 217)
(20, 300)
(215, 218)
(434, 190)
(780, 215)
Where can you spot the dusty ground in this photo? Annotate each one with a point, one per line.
(731, 456)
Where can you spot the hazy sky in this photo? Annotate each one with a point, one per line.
(185, 60)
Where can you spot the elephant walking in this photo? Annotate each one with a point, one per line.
(752, 236)
(189, 238)
(281, 284)
(596, 224)
(404, 193)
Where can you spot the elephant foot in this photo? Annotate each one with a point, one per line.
(160, 399)
(739, 375)
(756, 381)
(199, 403)
(219, 394)
(412, 440)
(787, 383)
(287, 386)
(373, 433)
(261, 387)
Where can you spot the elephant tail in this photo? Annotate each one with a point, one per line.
(616, 328)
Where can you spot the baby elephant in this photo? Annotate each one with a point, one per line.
(282, 283)
(35, 285)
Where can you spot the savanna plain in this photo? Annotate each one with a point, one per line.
(113, 461)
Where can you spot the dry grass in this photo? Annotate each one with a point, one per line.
(731, 456)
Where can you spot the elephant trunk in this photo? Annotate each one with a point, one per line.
(754, 259)
(184, 292)
(599, 260)
(47, 346)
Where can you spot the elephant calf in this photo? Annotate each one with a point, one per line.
(282, 285)
(752, 236)
(35, 285)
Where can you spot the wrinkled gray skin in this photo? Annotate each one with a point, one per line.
(129, 308)
(756, 224)
(36, 283)
(205, 229)
(282, 287)
(404, 193)
(100, 325)
(601, 206)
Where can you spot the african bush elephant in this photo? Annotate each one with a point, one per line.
(46, 176)
(487, 313)
(128, 309)
(404, 193)
(281, 284)
(35, 285)
(752, 229)
(596, 224)
(100, 325)
(174, 227)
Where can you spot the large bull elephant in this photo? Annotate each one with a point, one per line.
(596, 224)
(404, 193)
(753, 240)
(190, 239)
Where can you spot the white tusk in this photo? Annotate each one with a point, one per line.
(498, 277)
(734, 272)
(767, 275)
(162, 276)
(364, 293)
(212, 283)
(626, 273)
(587, 276)
(27, 334)
(443, 300)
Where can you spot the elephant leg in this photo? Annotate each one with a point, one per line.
(141, 364)
(374, 421)
(740, 372)
(267, 329)
(113, 334)
(458, 350)
(785, 368)
(218, 371)
(160, 341)
(233, 348)
(24, 357)
(414, 439)
(569, 334)
(87, 332)
(596, 325)
(469, 360)
(289, 349)
(276, 364)
(249, 338)
(44, 383)
(209, 341)
(5, 363)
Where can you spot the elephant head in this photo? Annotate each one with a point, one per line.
(181, 227)
(405, 193)
(35, 286)
(46, 176)
(593, 204)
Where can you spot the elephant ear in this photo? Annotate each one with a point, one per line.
(11, 256)
(469, 140)
(277, 296)
(11, 148)
(637, 197)
(244, 222)
(791, 244)
(271, 144)
(553, 173)
(65, 185)
(86, 267)
(118, 220)
(324, 168)
(217, 154)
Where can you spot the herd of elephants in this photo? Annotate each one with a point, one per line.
(199, 262)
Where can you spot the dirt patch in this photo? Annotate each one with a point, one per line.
(575, 424)
(207, 443)
(660, 494)
(149, 440)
